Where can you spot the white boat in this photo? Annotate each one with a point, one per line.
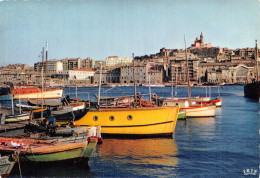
(200, 111)
(6, 165)
(36, 93)
(188, 104)
(217, 102)
(153, 85)
(192, 110)
(174, 102)
(17, 117)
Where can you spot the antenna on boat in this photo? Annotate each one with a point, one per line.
(46, 62)
(42, 82)
(188, 75)
(134, 74)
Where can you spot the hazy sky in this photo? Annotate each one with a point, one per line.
(102, 28)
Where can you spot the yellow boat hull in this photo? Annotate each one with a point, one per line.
(139, 121)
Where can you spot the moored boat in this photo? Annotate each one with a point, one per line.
(72, 111)
(36, 93)
(192, 110)
(153, 85)
(217, 102)
(140, 121)
(6, 165)
(5, 94)
(44, 150)
(200, 111)
(17, 117)
(182, 114)
(252, 90)
(5, 97)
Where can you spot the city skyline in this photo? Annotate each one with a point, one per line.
(99, 29)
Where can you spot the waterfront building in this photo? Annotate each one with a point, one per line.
(98, 64)
(87, 63)
(17, 78)
(53, 66)
(114, 75)
(72, 63)
(225, 72)
(81, 74)
(59, 79)
(126, 74)
(114, 60)
(204, 67)
(179, 69)
(108, 76)
(104, 77)
(156, 76)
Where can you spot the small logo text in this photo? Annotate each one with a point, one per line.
(249, 172)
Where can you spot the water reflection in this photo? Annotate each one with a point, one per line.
(206, 121)
(196, 130)
(140, 155)
(64, 169)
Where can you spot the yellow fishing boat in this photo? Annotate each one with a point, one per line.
(141, 121)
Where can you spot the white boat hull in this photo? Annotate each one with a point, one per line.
(200, 111)
(17, 118)
(52, 94)
(218, 104)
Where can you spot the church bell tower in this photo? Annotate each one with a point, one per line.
(201, 38)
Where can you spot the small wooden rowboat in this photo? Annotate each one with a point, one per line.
(51, 150)
(17, 118)
(6, 165)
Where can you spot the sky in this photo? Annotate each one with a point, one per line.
(102, 28)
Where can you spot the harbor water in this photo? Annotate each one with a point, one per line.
(221, 146)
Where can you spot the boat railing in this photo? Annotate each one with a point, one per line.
(76, 93)
(118, 101)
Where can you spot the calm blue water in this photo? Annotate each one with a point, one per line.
(201, 147)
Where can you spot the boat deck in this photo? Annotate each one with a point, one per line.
(12, 126)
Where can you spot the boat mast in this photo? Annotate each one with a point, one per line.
(12, 104)
(149, 88)
(172, 83)
(176, 82)
(42, 81)
(188, 75)
(257, 75)
(134, 75)
(46, 63)
(99, 83)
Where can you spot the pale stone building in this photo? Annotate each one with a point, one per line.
(53, 66)
(81, 74)
(87, 63)
(72, 63)
(179, 70)
(114, 60)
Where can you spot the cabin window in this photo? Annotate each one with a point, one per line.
(129, 117)
(95, 118)
(111, 118)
